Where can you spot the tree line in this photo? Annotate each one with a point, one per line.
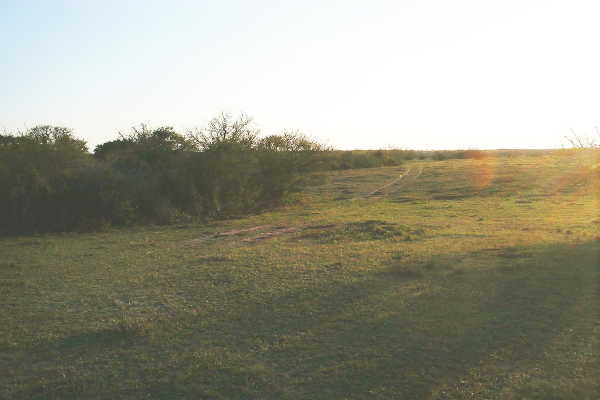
(51, 182)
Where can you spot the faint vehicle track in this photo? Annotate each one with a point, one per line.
(263, 232)
(393, 182)
(272, 232)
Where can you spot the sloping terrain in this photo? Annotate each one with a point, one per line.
(465, 279)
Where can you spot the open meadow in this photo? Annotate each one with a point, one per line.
(452, 279)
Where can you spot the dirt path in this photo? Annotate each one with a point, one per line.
(268, 231)
(393, 182)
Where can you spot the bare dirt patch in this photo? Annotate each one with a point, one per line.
(399, 179)
(241, 231)
(274, 233)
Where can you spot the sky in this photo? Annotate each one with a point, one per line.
(418, 74)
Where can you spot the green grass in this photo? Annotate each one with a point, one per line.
(477, 279)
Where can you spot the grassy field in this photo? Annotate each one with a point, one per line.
(464, 279)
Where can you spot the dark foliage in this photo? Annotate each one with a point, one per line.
(51, 183)
(37, 169)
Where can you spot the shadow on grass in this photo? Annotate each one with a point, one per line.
(381, 336)
(406, 349)
(123, 332)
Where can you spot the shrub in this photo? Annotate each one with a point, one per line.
(35, 170)
(284, 164)
(50, 182)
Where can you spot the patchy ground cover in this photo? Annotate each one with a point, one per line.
(475, 279)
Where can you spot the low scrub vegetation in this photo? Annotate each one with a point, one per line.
(491, 298)
(354, 159)
(50, 182)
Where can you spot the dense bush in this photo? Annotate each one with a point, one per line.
(285, 164)
(49, 181)
(151, 168)
(37, 169)
(238, 172)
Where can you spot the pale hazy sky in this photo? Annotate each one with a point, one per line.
(424, 74)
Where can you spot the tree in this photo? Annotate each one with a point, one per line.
(584, 142)
(285, 163)
(144, 143)
(35, 169)
(225, 133)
